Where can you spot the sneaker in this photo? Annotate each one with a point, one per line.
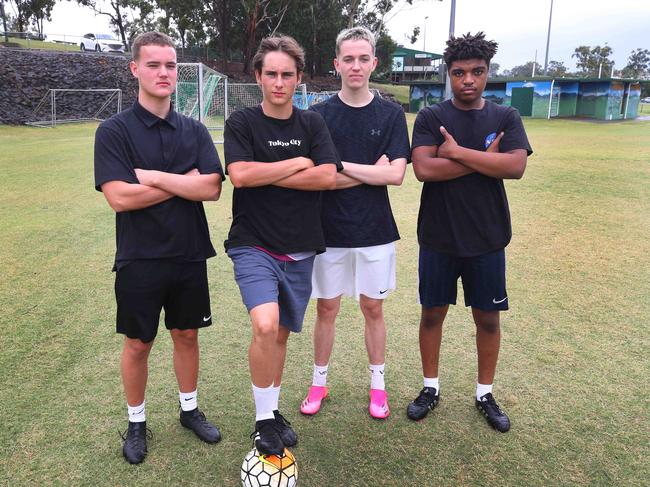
(311, 404)
(134, 448)
(421, 405)
(195, 421)
(286, 432)
(493, 414)
(267, 439)
(378, 405)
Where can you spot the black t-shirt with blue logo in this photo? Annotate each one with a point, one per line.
(469, 215)
(281, 220)
(361, 216)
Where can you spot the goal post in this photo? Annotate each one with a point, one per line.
(70, 105)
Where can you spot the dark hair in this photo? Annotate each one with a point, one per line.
(150, 39)
(469, 47)
(285, 44)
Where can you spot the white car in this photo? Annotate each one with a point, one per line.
(101, 43)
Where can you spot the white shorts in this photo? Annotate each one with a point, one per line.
(353, 271)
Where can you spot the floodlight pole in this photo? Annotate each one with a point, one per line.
(548, 39)
(424, 42)
(452, 24)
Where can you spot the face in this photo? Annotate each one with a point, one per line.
(278, 78)
(468, 79)
(155, 69)
(355, 62)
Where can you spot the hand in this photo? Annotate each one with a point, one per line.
(383, 161)
(449, 148)
(145, 176)
(192, 172)
(494, 146)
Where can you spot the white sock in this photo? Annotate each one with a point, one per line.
(188, 400)
(432, 383)
(377, 376)
(482, 390)
(264, 399)
(136, 413)
(320, 375)
(276, 397)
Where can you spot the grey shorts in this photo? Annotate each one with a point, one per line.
(264, 279)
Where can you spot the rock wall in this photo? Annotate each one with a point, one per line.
(27, 75)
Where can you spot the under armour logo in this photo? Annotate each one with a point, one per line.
(375, 132)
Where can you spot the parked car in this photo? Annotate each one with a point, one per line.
(101, 43)
(646, 99)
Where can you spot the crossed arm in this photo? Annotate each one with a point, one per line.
(450, 161)
(383, 172)
(157, 186)
(295, 173)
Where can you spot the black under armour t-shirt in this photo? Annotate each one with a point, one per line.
(469, 215)
(361, 216)
(281, 220)
(136, 138)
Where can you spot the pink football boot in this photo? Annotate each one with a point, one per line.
(378, 406)
(311, 404)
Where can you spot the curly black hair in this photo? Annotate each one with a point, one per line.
(469, 47)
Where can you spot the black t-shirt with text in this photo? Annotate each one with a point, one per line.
(361, 216)
(281, 220)
(135, 138)
(469, 215)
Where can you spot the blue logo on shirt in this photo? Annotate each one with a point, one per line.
(489, 139)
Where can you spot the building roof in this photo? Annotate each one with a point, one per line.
(526, 80)
(405, 51)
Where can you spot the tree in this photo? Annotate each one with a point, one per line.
(590, 60)
(638, 63)
(384, 51)
(40, 10)
(22, 14)
(493, 70)
(413, 37)
(556, 69)
(524, 70)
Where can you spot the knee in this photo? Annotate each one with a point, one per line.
(372, 310)
(185, 338)
(136, 349)
(328, 308)
(432, 318)
(265, 330)
(490, 326)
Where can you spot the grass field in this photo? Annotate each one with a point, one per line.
(50, 46)
(400, 92)
(573, 373)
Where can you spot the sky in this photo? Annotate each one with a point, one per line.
(519, 26)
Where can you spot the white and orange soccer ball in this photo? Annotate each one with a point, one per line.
(259, 470)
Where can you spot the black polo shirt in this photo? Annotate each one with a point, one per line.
(135, 138)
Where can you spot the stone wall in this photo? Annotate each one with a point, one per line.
(26, 76)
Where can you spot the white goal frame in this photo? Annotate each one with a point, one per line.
(98, 115)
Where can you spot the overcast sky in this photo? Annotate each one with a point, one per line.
(519, 26)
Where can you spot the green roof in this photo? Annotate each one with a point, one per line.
(405, 51)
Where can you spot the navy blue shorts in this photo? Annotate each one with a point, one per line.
(264, 279)
(144, 287)
(483, 277)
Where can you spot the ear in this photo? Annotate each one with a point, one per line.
(336, 65)
(258, 77)
(134, 68)
(299, 77)
(374, 63)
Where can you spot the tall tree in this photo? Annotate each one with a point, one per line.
(638, 64)
(523, 70)
(40, 10)
(493, 70)
(590, 60)
(556, 69)
(22, 14)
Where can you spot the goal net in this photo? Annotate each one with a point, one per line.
(75, 105)
(200, 94)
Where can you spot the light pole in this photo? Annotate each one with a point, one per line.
(548, 39)
(452, 25)
(4, 20)
(424, 41)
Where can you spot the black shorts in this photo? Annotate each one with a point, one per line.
(483, 277)
(144, 287)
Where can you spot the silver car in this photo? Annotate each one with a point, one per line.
(101, 43)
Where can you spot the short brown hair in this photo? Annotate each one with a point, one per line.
(285, 44)
(152, 38)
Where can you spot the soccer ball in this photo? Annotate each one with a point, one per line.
(258, 470)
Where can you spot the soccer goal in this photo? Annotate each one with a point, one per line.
(61, 105)
(242, 95)
(200, 94)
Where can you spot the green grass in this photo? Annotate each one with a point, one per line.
(400, 92)
(573, 372)
(34, 44)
